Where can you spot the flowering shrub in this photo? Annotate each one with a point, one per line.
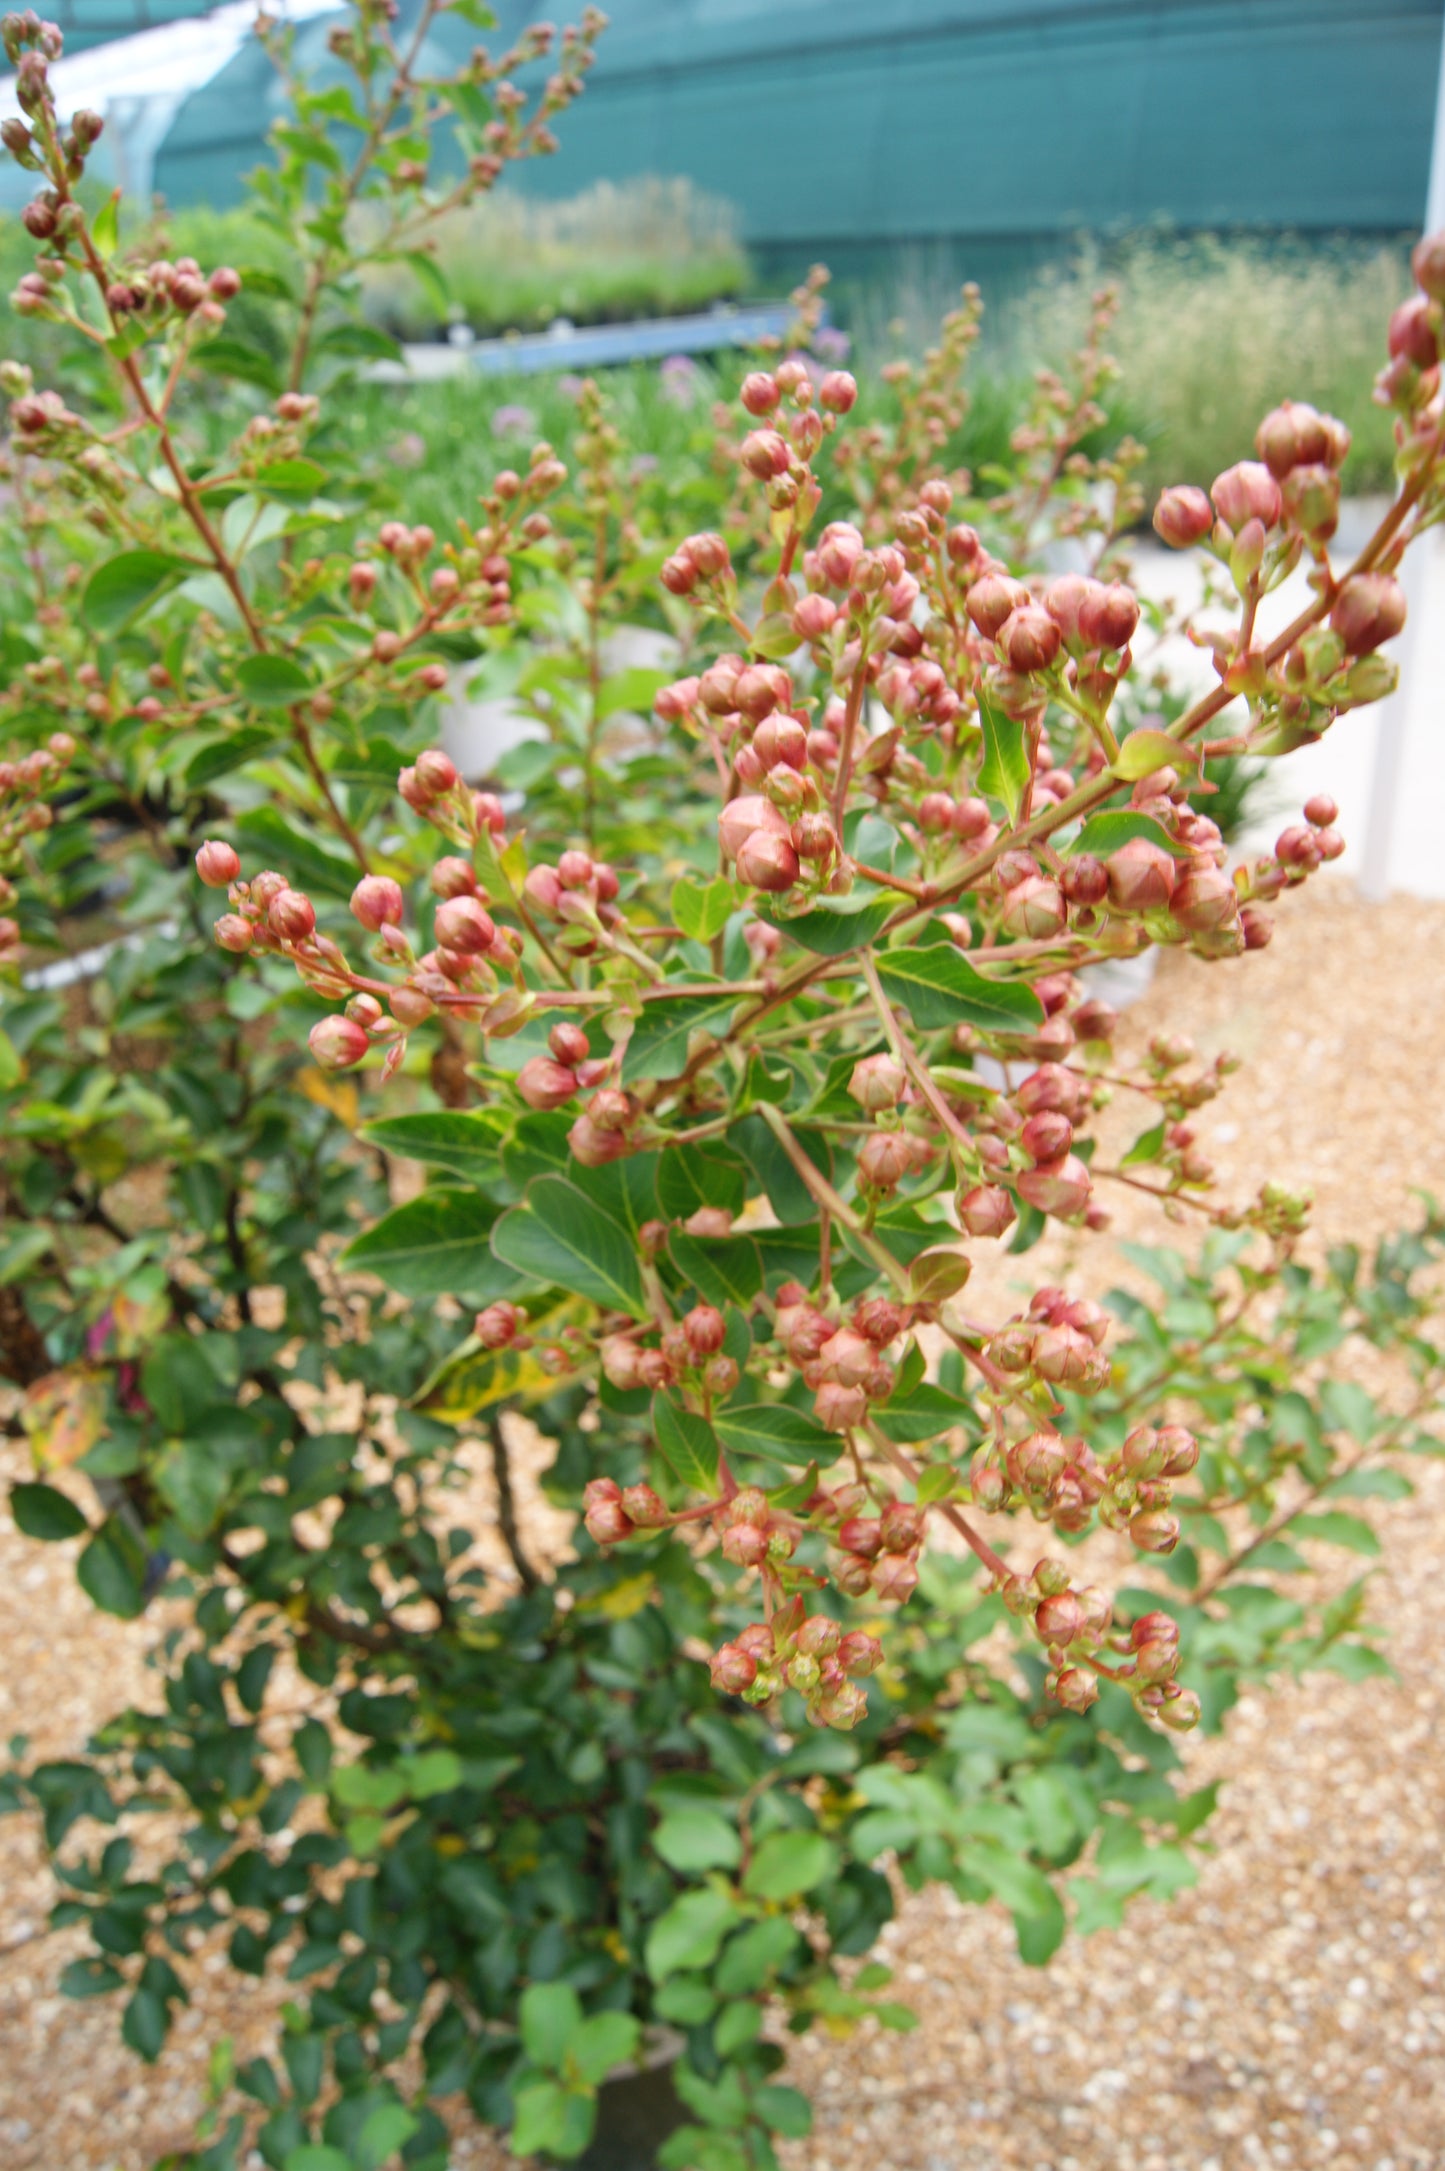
(743, 1019)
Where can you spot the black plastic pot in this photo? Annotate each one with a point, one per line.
(635, 2115)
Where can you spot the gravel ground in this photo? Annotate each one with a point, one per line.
(1290, 2011)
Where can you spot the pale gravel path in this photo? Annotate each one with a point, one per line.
(1289, 2012)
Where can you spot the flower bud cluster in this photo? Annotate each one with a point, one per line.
(807, 1652)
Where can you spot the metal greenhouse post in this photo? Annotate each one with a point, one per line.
(1422, 575)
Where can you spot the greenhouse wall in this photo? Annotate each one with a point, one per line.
(850, 121)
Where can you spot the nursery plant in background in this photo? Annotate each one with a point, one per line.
(738, 1021)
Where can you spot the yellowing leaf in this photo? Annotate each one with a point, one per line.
(337, 1094)
(623, 1600)
(64, 1415)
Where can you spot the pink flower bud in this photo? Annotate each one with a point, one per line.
(595, 1147)
(1154, 1531)
(1427, 261)
(1369, 609)
(462, 925)
(234, 934)
(291, 916)
(217, 864)
(569, 1044)
(678, 574)
(877, 1083)
(606, 1519)
(885, 1159)
(759, 392)
(987, 1210)
(337, 1043)
(1183, 516)
(743, 818)
(1291, 435)
(1204, 898)
(838, 1407)
(1108, 616)
(1062, 599)
(704, 1327)
(861, 1534)
(642, 1506)
(839, 548)
(1058, 1619)
(1181, 1711)
(450, 877)
(497, 1325)
(1047, 1136)
(1029, 638)
(847, 1358)
(993, 600)
(902, 1527)
(894, 1576)
(859, 1653)
(1076, 1688)
(709, 553)
(409, 1006)
(765, 454)
(1246, 492)
(435, 773)
(1056, 1187)
(1035, 909)
(377, 902)
(545, 1084)
(542, 889)
(780, 740)
(837, 392)
(1141, 876)
(814, 616)
(1035, 1462)
(767, 861)
(733, 1670)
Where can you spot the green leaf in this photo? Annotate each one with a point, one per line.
(389, 2128)
(690, 1933)
(693, 1176)
(1040, 1935)
(105, 226)
(549, 2015)
(272, 682)
(697, 1839)
(42, 1512)
(783, 2110)
(539, 2119)
(439, 1242)
(832, 930)
(111, 1570)
(1335, 1527)
(1005, 771)
(935, 1483)
(559, 1235)
(1144, 753)
(786, 1191)
(1104, 833)
(703, 909)
(603, 2041)
(144, 2024)
(687, 1444)
(121, 588)
(315, 2157)
(658, 1047)
(938, 987)
(12, 1070)
(220, 756)
(462, 1140)
(1147, 1147)
(771, 1432)
(922, 1415)
(723, 1269)
(787, 1863)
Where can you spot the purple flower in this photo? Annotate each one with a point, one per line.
(514, 421)
(832, 345)
(680, 380)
